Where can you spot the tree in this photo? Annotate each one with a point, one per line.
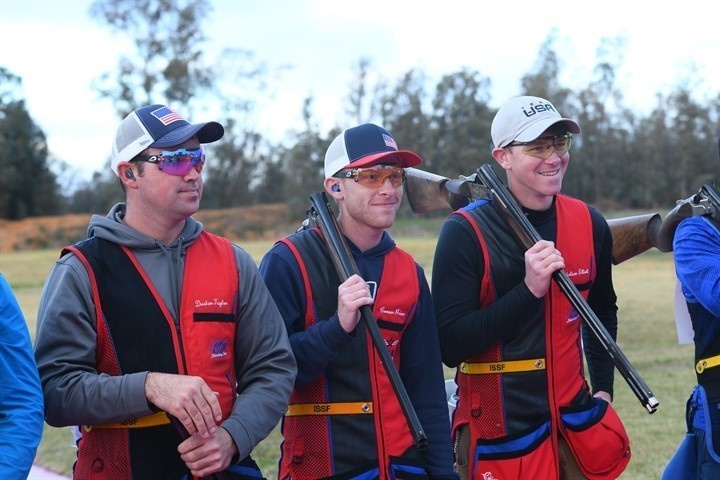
(461, 122)
(602, 145)
(97, 195)
(167, 63)
(362, 106)
(297, 171)
(168, 67)
(27, 186)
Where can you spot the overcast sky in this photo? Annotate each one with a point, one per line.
(57, 50)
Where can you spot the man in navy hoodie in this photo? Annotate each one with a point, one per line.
(344, 418)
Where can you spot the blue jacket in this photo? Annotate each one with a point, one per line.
(21, 400)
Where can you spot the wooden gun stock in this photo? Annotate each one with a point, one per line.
(633, 235)
(428, 192)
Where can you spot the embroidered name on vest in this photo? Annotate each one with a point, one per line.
(211, 303)
(397, 312)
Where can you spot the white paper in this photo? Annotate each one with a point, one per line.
(685, 331)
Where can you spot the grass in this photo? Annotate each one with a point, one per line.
(647, 336)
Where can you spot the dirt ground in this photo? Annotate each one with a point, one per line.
(246, 223)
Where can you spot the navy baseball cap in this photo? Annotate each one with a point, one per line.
(157, 126)
(364, 146)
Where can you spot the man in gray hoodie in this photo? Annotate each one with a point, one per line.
(160, 340)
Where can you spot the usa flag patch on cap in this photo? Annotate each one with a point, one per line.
(166, 115)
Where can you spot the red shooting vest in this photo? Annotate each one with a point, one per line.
(202, 343)
(308, 446)
(482, 397)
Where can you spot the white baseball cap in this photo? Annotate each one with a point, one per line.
(523, 119)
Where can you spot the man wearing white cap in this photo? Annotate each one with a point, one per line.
(156, 337)
(344, 420)
(525, 409)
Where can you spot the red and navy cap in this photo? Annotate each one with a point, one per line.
(364, 146)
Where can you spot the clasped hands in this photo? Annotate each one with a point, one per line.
(209, 448)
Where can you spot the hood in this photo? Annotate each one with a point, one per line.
(113, 228)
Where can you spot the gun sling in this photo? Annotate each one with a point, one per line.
(511, 366)
(337, 408)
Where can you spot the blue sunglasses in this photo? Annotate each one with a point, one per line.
(177, 162)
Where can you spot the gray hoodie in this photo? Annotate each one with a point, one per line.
(75, 394)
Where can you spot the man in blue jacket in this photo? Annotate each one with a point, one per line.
(696, 251)
(21, 400)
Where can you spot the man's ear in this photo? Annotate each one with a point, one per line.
(502, 157)
(126, 174)
(333, 187)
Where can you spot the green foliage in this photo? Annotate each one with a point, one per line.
(167, 62)
(27, 186)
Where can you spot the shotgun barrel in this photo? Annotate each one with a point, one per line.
(344, 263)
(507, 207)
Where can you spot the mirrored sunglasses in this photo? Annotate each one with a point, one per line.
(544, 147)
(374, 177)
(177, 162)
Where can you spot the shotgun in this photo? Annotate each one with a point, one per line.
(320, 214)
(705, 202)
(505, 204)
(633, 235)
(429, 192)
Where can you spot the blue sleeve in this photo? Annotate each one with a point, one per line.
(422, 375)
(316, 346)
(696, 249)
(21, 400)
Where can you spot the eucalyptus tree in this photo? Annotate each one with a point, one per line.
(403, 111)
(166, 62)
(27, 185)
(296, 170)
(602, 153)
(461, 120)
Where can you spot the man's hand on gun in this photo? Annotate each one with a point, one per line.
(541, 261)
(353, 293)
